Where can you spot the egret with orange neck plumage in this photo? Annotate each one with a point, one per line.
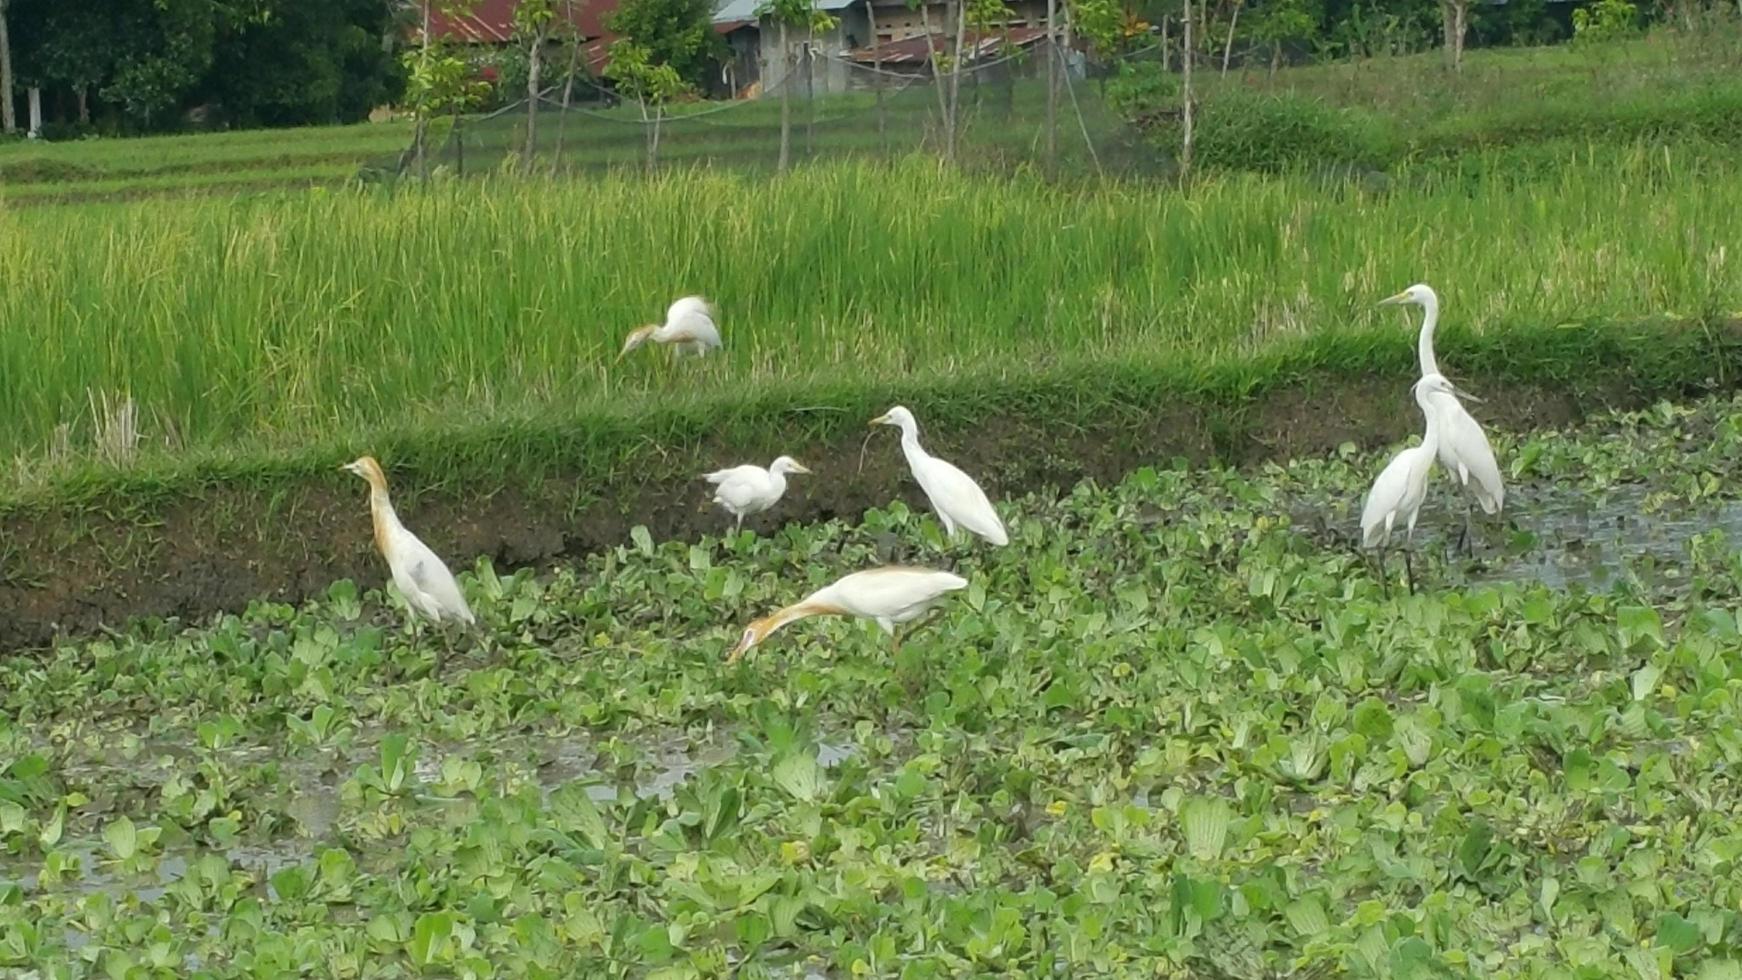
(688, 329)
(891, 596)
(421, 577)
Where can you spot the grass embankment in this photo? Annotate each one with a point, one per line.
(466, 335)
(1511, 109)
(1168, 730)
(75, 170)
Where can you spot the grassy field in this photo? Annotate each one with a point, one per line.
(1221, 747)
(311, 320)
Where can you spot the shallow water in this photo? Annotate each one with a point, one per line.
(1596, 542)
(668, 760)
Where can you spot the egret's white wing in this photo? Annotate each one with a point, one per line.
(955, 493)
(691, 320)
(416, 566)
(1385, 498)
(742, 491)
(731, 472)
(1466, 454)
(896, 594)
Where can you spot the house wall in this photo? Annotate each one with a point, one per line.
(895, 21)
(828, 73)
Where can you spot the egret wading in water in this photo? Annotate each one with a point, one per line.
(955, 496)
(749, 489)
(1397, 495)
(429, 588)
(1463, 446)
(892, 596)
(688, 329)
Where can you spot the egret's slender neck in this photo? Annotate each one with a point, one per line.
(381, 514)
(1424, 345)
(910, 439)
(794, 613)
(1430, 439)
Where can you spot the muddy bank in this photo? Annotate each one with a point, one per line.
(222, 545)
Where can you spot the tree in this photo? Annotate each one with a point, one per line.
(1454, 15)
(438, 81)
(8, 121)
(788, 13)
(674, 33)
(650, 83)
(532, 25)
(1281, 22)
(305, 61)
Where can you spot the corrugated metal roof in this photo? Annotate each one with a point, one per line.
(492, 21)
(746, 9)
(917, 50)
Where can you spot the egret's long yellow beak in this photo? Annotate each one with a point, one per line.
(737, 651)
(1394, 300)
(879, 420)
(801, 468)
(1463, 395)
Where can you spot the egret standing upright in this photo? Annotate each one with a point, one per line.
(688, 328)
(1397, 494)
(953, 494)
(1463, 447)
(429, 588)
(749, 489)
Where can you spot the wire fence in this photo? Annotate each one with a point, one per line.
(1031, 107)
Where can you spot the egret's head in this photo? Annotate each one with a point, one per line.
(1420, 294)
(897, 416)
(754, 633)
(1435, 384)
(368, 469)
(786, 464)
(636, 338)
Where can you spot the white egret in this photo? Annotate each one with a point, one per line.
(429, 588)
(1397, 495)
(1464, 450)
(688, 329)
(892, 596)
(953, 494)
(749, 489)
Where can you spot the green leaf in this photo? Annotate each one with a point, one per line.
(643, 540)
(1677, 934)
(122, 837)
(800, 776)
(573, 811)
(1473, 850)
(1206, 826)
(1307, 915)
(429, 937)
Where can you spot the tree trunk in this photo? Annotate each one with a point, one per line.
(1166, 62)
(8, 120)
(956, 78)
(420, 135)
(877, 76)
(534, 68)
(785, 100)
(562, 121)
(1228, 48)
(810, 91)
(84, 105)
(1275, 57)
(1449, 18)
(937, 79)
(1052, 85)
(1463, 10)
(1185, 149)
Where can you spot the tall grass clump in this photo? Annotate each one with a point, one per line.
(277, 320)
